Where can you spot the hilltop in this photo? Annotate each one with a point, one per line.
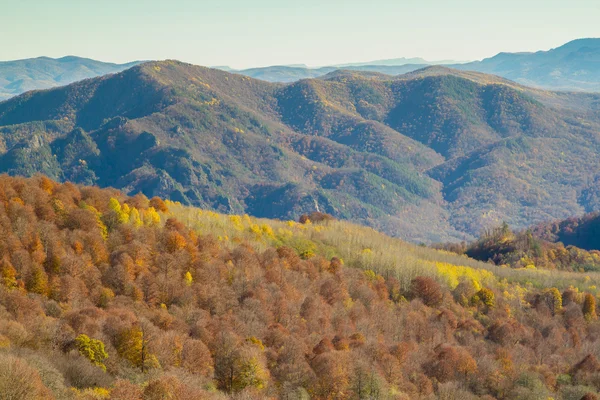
(424, 156)
(20, 76)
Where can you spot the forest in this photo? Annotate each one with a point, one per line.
(108, 296)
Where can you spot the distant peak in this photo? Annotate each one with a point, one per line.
(579, 43)
(433, 70)
(69, 59)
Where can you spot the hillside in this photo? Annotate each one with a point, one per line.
(572, 66)
(20, 76)
(431, 156)
(104, 296)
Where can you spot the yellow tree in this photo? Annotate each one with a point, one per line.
(92, 349)
(133, 346)
(8, 274)
(134, 218)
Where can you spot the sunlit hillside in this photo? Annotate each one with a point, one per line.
(365, 248)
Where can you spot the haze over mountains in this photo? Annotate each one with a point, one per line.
(19, 76)
(437, 154)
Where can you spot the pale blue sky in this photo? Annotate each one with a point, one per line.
(245, 33)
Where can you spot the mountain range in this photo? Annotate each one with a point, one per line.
(573, 66)
(432, 155)
(19, 76)
(397, 62)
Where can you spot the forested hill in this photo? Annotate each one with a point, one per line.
(105, 296)
(582, 232)
(433, 155)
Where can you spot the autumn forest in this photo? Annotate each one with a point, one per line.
(105, 296)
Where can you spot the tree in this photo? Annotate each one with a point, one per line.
(132, 345)
(151, 217)
(196, 358)
(134, 218)
(486, 297)
(365, 381)
(450, 363)
(37, 281)
(250, 373)
(304, 219)
(20, 381)
(332, 370)
(553, 299)
(125, 390)
(164, 387)
(175, 241)
(8, 274)
(92, 349)
(159, 205)
(427, 290)
(188, 279)
(589, 307)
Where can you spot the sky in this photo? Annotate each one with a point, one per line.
(251, 33)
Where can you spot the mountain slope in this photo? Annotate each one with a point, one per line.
(434, 155)
(20, 76)
(572, 66)
(213, 139)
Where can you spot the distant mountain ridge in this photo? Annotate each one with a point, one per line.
(573, 66)
(20, 76)
(289, 74)
(433, 155)
(397, 62)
